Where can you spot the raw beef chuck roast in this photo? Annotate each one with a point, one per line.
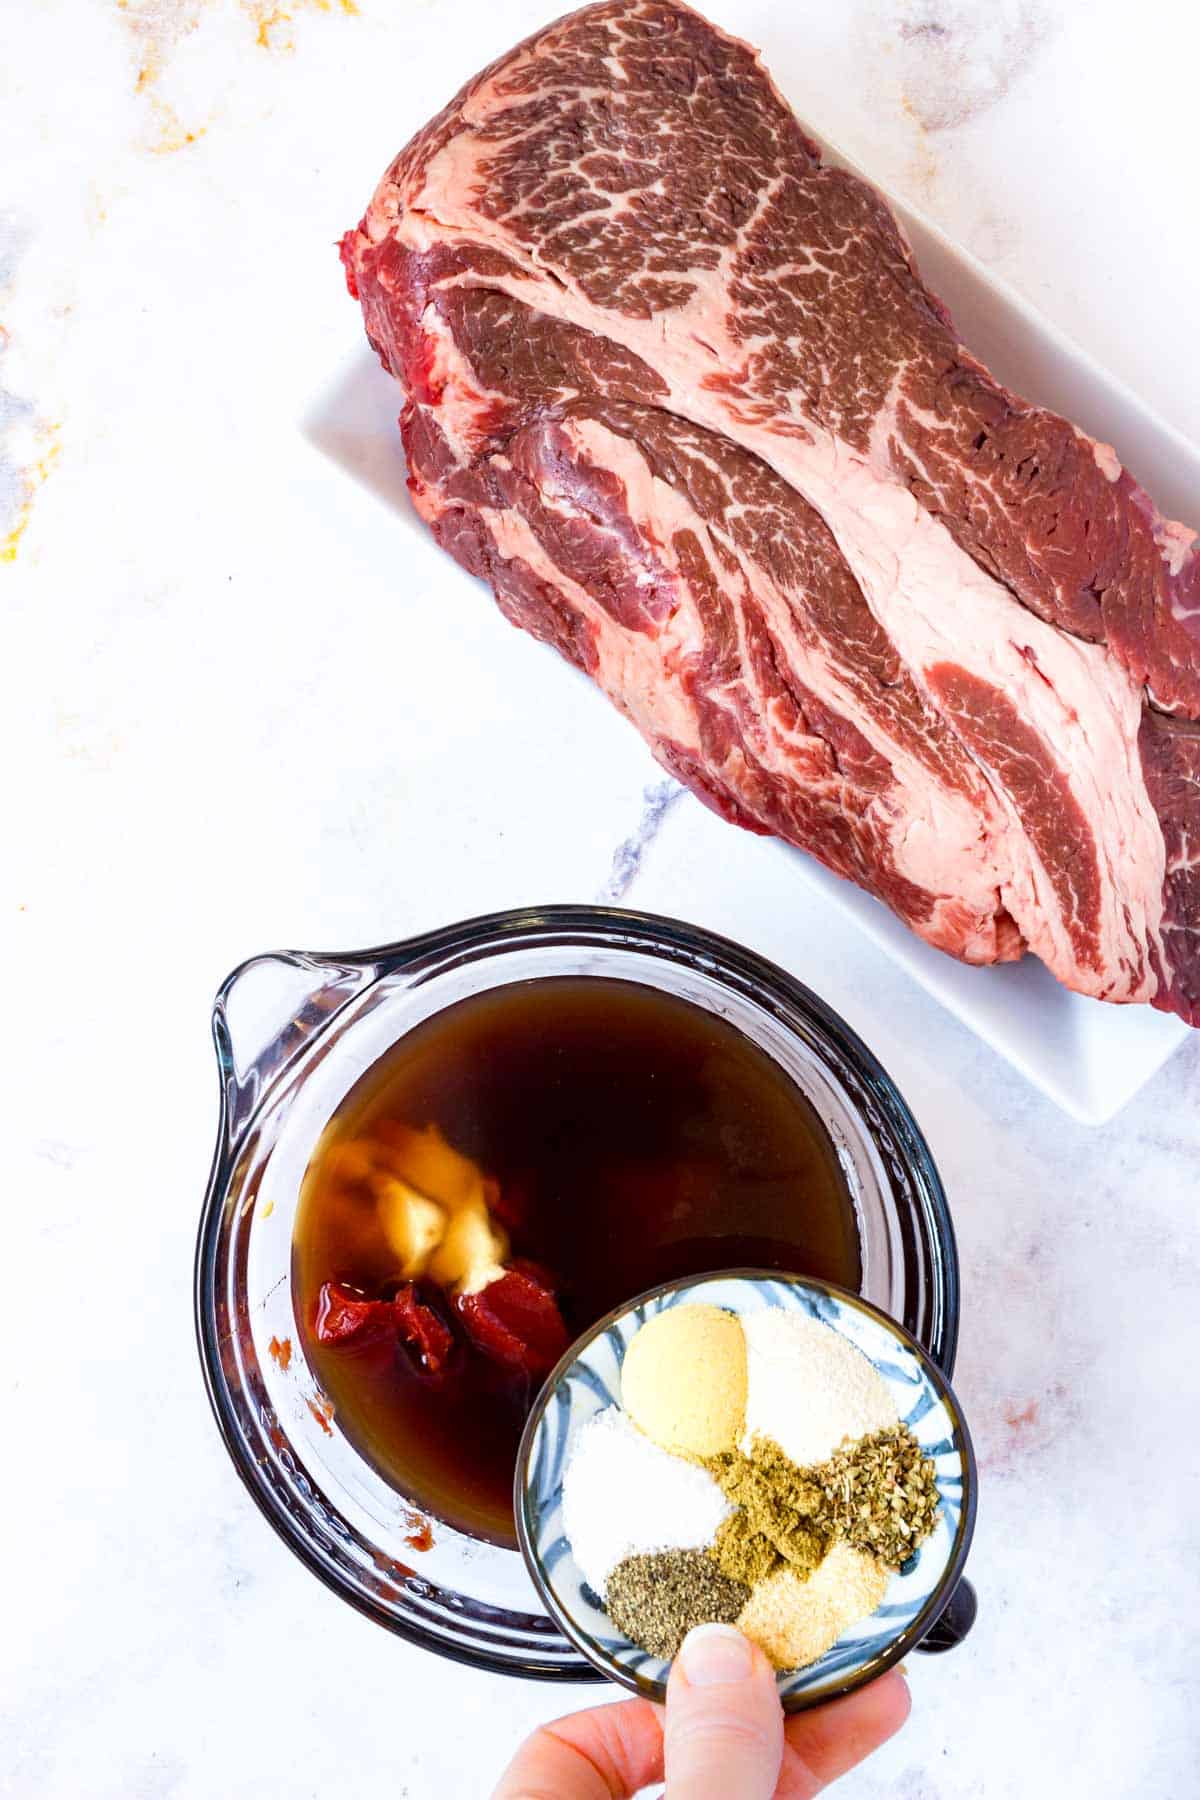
(677, 391)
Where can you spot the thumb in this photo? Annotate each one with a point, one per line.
(724, 1728)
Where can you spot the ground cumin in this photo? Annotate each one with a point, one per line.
(743, 1553)
(781, 1504)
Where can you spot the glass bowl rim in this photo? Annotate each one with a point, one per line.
(621, 927)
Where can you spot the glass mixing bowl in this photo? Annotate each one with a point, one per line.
(293, 1033)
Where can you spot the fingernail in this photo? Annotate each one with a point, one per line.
(714, 1655)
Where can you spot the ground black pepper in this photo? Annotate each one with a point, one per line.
(655, 1600)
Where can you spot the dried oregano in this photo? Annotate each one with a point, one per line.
(879, 1494)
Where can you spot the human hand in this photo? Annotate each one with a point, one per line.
(723, 1735)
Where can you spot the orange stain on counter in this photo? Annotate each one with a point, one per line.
(267, 21)
(33, 477)
(159, 26)
(923, 162)
(172, 135)
(271, 19)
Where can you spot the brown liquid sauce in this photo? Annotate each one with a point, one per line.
(639, 1137)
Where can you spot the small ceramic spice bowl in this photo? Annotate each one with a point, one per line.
(926, 1604)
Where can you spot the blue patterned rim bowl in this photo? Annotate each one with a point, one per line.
(926, 1606)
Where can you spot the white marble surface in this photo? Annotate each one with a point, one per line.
(228, 727)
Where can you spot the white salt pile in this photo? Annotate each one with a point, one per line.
(808, 1388)
(623, 1496)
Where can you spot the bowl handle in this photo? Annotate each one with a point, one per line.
(269, 1009)
(953, 1622)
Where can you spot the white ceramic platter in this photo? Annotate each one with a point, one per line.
(1087, 1057)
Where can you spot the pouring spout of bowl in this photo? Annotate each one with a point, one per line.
(266, 1012)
